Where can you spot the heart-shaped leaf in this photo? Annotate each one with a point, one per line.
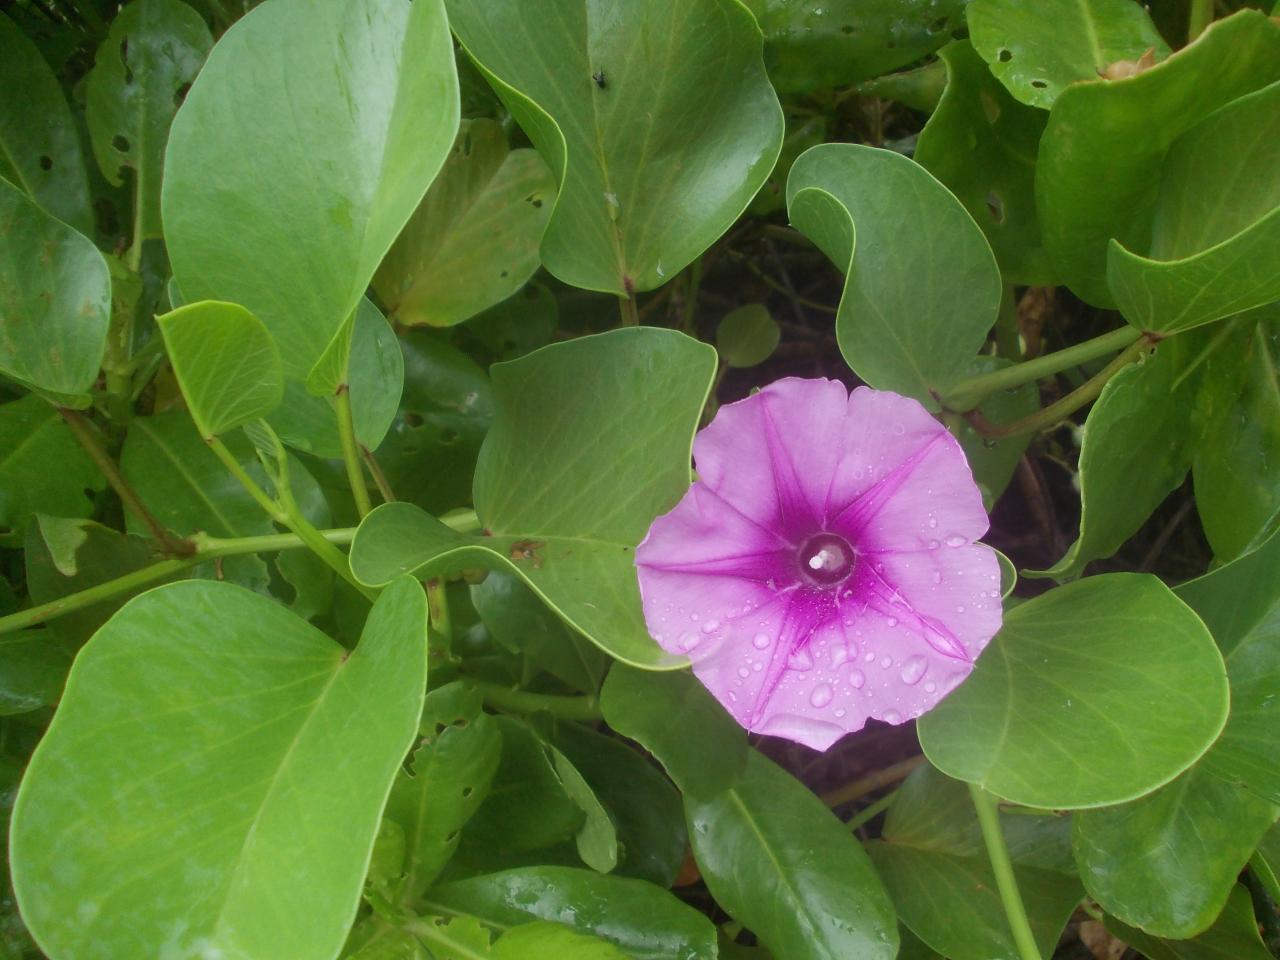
(55, 301)
(657, 118)
(784, 867)
(610, 416)
(1092, 694)
(473, 241)
(1215, 248)
(255, 736)
(1096, 176)
(39, 145)
(226, 363)
(139, 77)
(917, 302)
(1038, 51)
(315, 128)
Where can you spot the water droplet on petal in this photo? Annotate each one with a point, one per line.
(688, 641)
(711, 626)
(839, 714)
(955, 540)
(869, 657)
(959, 608)
(821, 695)
(934, 544)
(914, 669)
(893, 621)
(761, 641)
(891, 716)
(933, 522)
(800, 660)
(930, 687)
(743, 672)
(937, 576)
(857, 678)
(839, 655)
(886, 663)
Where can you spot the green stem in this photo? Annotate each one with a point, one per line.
(1199, 18)
(627, 307)
(872, 782)
(270, 506)
(1061, 409)
(522, 701)
(351, 451)
(206, 549)
(1008, 337)
(88, 439)
(869, 813)
(438, 937)
(969, 393)
(989, 820)
(379, 477)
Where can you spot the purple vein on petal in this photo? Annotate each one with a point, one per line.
(762, 566)
(869, 503)
(794, 508)
(799, 621)
(888, 600)
(755, 523)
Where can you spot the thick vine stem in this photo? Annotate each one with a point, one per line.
(522, 701)
(1007, 884)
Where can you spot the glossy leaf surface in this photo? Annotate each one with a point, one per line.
(784, 867)
(1038, 723)
(285, 737)
(1233, 937)
(592, 414)
(609, 96)
(917, 305)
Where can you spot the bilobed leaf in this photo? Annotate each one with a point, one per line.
(1196, 834)
(1233, 937)
(658, 711)
(917, 302)
(55, 301)
(302, 149)
(981, 144)
(1215, 247)
(1092, 694)
(32, 437)
(226, 363)
(611, 417)
(473, 241)
(657, 118)
(1096, 176)
(807, 47)
(286, 739)
(645, 921)
(784, 867)
(39, 146)
(153, 52)
(935, 865)
(1037, 51)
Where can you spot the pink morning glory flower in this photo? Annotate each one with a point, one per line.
(823, 569)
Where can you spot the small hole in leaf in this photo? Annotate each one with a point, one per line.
(460, 722)
(466, 792)
(412, 419)
(1039, 84)
(1004, 56)
(441, 728)
(535, 201)
(504, 274)
(995, 206)
(448, 436)
(180, 94)
(46, 162)
(121, 143)
(453, 835)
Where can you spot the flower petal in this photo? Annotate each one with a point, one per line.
(773, 455)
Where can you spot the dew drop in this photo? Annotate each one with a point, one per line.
(688, 641)
(955, 540)
(959, 608)
(934, 544)
(933, 522)
(800, 660)
(839, 714)
(930, 687)
(886, 663)
(857, 678)
(893, 621)
(758, 666)
(870, 657)
(914, 669)
(711, 626)
(743, 672)
(760, 641)
(821, 695)
(937, 576)
(839, 655)
(891, 716)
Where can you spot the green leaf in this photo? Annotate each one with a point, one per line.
(1214, 246)
(1038, 51)
(39, 145)
(1238, 433)
(981, 144)
(32, 438)
(647, 922)
(473, 241)
(1193, 837)
(993, 462)
(303, 148)
(1237, 598)
(552, 941)
(1265, 863)
(288, 746)
(451, 774)
(1092, 694)
(226, 363)
(55, 301)
(747, 335)
(519, 324)
(1233, 937)
(780, 863)
(661, 711)
(1135, 451)
(658, 145)
(933, 860)
(610, 417)
(917, 303)
(1097, 179)
(642, 803)
(597, 839)
(33, 668)
(139, 77)
(807, 47)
